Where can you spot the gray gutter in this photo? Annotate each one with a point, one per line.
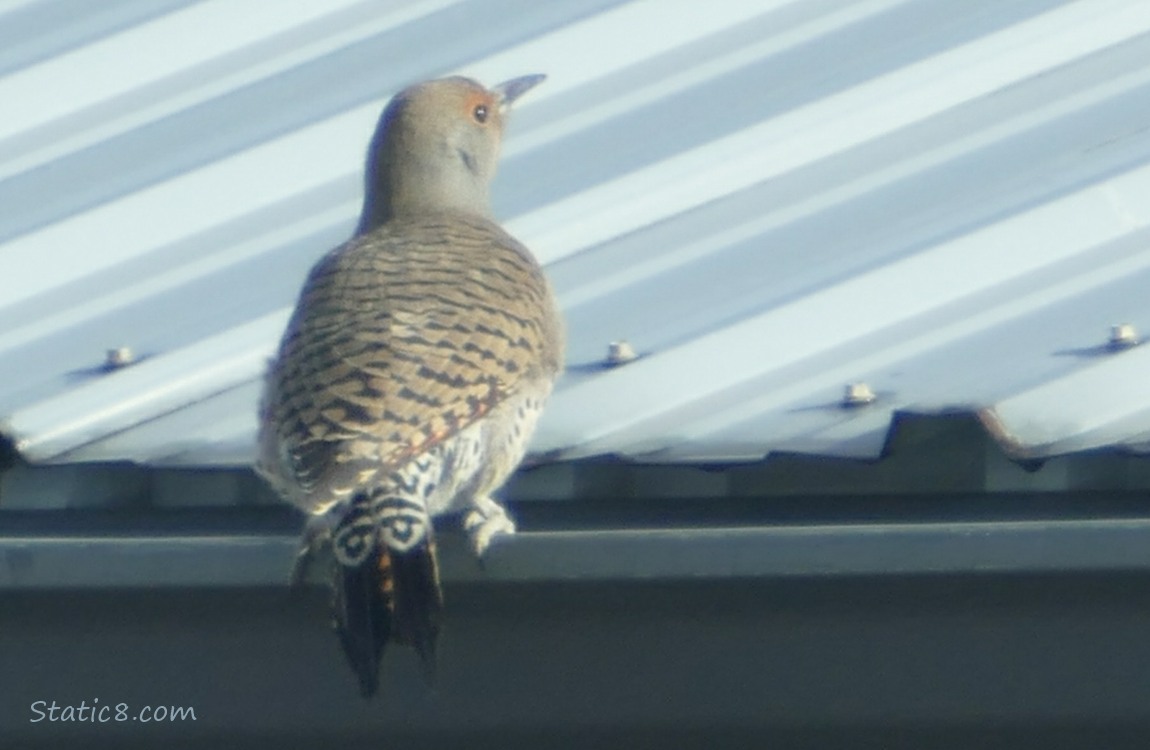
(861, 549)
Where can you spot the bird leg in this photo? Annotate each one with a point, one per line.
(486, 520)
(316, 540)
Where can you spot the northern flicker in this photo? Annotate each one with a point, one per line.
(413, 370)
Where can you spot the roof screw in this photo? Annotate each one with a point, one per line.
(1122, 336)
(620, 353)
(858, 394)
(121, 356)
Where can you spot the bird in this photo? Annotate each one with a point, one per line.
(412, 372)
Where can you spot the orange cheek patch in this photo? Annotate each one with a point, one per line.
(474, 100)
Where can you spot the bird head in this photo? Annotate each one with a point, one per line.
(436, 148)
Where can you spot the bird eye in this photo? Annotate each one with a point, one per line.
(480, 113)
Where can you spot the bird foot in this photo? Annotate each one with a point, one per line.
(484, 522)
(316, 541)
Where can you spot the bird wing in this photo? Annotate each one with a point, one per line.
(402, 338)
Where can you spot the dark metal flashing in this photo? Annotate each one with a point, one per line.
(807, 624)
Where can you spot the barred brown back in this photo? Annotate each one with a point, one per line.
(401, 339)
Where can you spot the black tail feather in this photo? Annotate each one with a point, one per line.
(418, 602)
(362, 621)
(389, 596)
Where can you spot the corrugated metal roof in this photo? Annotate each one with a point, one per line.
(947, 201)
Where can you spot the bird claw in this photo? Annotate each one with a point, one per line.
(484, 522)
(316, 539)
(300, 567)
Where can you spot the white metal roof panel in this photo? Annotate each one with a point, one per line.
(947, 201)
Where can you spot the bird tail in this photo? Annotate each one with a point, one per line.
(386, 583)
(362, 618)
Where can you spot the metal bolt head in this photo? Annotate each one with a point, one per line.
(121, 356)
(1122, 336)
(620, 352)
(858, 394)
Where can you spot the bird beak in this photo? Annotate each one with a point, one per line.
(508, 91)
